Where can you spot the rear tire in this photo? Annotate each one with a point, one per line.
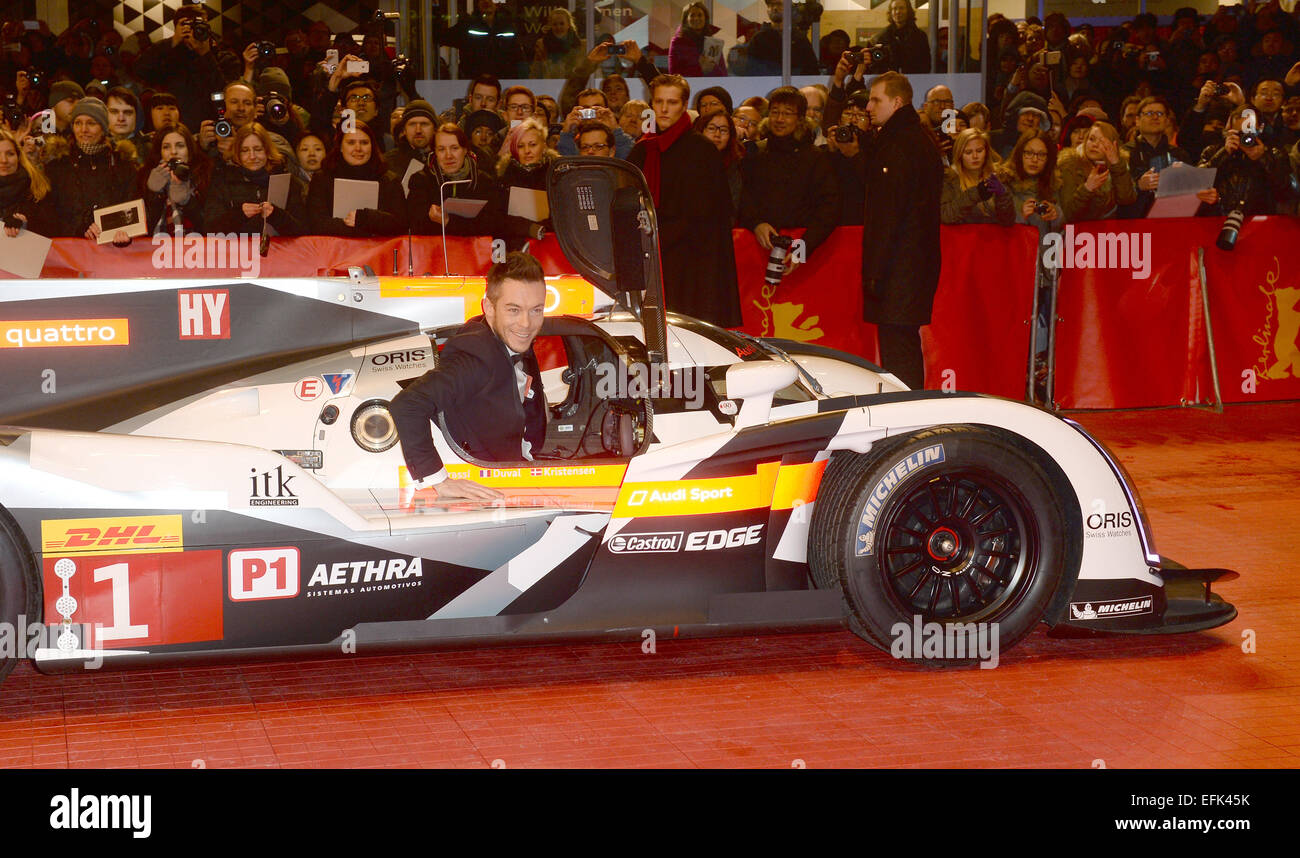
(19, 589)
(953, 525)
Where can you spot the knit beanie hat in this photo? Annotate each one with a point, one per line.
(94, 108)
(66, 89)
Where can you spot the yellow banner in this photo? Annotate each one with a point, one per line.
(140, 534)
(565, 295)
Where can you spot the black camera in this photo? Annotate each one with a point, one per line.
(35, 77)
(776, 259)
(222, 126)
(180, 168)
(1249, 139)
(1220, 90)
(846, 134)
(382, 17)
(881, 55)
(401, 65)
(200, 29)
(266, 51)
(277, 109)
(13, 116)
(617, 50)
(13, 222)
(1041, 208)
(109, 50)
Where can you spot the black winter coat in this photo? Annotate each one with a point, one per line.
(900, 237)
(81, 183)
(186, 75)
(388, 219)
(475, 390)
(231, 187)
(909, 49)
(1253, 186)
(424, 193)
(1142, 156)
(516, 175)
(16, 199)
(788, 182)
(696, 252)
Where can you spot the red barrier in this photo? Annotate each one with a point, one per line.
(1255, 311)
(1121, 342)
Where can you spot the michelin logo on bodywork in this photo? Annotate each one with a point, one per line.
(866, 540)
(1112, 608)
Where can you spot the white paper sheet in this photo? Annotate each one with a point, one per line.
(1179, 185)
(277, 190)
(24, 254)
(411, 169)
(463, 207)
(352, 194)
(527, 203)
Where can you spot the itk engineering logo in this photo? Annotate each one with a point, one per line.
(271, 488)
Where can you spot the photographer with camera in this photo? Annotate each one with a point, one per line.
(1202, 126)
(846, 79)
(591, 107)
(972, 192)
(275, 107)
(173, 182)
(237, 107)
(24, 189)
(787, 182)
(185, 65)
(846, 148)
(901, 252)
(1252, 175)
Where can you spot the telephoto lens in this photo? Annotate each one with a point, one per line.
(1227, 239)
(776, 259)
(277, 109)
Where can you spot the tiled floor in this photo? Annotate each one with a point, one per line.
(1221, 490)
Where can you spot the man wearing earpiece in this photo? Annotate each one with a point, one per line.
(487, 385)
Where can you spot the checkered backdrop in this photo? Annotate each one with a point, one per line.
(254, 17)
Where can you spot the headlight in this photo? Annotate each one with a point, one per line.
(373, 428)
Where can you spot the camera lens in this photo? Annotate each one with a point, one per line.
(223, 128)
(277, 109)
(845, 134)
(266, 50)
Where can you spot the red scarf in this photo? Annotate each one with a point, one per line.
(655, 145)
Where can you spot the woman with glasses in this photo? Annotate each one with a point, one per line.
(1095, 178)
(355, 156)
(971, 191)
(453, 173)
(1030, 175)
(720, 130)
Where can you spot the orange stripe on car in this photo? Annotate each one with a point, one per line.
(565, 295)
(796, 485)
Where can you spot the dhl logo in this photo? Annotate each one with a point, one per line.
(143, 534)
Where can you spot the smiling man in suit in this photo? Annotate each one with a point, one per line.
(487, 385)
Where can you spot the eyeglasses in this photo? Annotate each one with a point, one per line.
(1037, 156)
(743, 123)
(854, 115)
(1154, 114)
(523, 109)
(593, 148)
(360, 98)
(787, 114)
(716, 129)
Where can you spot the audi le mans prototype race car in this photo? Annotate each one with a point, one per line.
(207, 470)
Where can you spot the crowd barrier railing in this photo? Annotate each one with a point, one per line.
(1131, 328)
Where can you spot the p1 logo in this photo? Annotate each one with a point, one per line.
(263, 573)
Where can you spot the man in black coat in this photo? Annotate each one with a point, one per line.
(693, 205)
(186, 67)
(487, 385)
(900, 237)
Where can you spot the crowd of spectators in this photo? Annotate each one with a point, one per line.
(1076, 124)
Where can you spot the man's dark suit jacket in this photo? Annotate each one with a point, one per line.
(474, 388)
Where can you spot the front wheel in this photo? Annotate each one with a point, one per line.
(19, 592)
(953, 526)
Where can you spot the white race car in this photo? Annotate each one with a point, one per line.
(208, 470)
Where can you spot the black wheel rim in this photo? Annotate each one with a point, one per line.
(959, 547)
